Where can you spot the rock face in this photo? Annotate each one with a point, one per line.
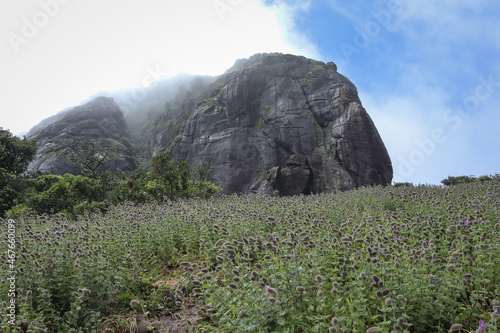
(99, 121)
(284, 123)
(272, 122)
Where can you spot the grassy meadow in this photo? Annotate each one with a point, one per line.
(393, 259)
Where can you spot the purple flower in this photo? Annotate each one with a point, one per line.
(434, 281)
(140, 218)
(395, 238)
(466, 223)
(413, 201)
(482, 324)
(267, 288)
(56, 232)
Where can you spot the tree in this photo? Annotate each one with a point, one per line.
(204, 169)
(90, 157)
(15, 156)
(168, 178)
(458, 180)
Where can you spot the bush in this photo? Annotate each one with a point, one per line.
(68, 194)
(467, 179)
(170, 179)
(76, 195)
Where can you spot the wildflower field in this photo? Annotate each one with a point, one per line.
(393, 259)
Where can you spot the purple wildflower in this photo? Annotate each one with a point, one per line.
(434, 281)
(482, 324)
(395, 238)
(466, 223)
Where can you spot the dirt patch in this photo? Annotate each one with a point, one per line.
(179, 322)
(174, 325)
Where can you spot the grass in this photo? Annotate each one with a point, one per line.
(394, 259)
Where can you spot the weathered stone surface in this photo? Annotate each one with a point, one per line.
(272, 122)
(99, 121)
(286, 123)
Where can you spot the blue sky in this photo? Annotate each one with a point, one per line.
(426, 71)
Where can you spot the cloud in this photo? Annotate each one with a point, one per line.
(288, 13)
(87, 47)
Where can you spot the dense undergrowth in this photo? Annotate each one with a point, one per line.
(393, 259)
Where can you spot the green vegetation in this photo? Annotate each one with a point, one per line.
(393, 259)
(95, 191)
(15, 155)
(467, 179)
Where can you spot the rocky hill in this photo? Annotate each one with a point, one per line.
(286, 123)
(99, 122)
(272, 122)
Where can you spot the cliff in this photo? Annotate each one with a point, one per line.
(286, 123)
(100, 121)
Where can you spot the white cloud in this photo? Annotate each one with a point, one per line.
(86, 47)
(288, 13)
